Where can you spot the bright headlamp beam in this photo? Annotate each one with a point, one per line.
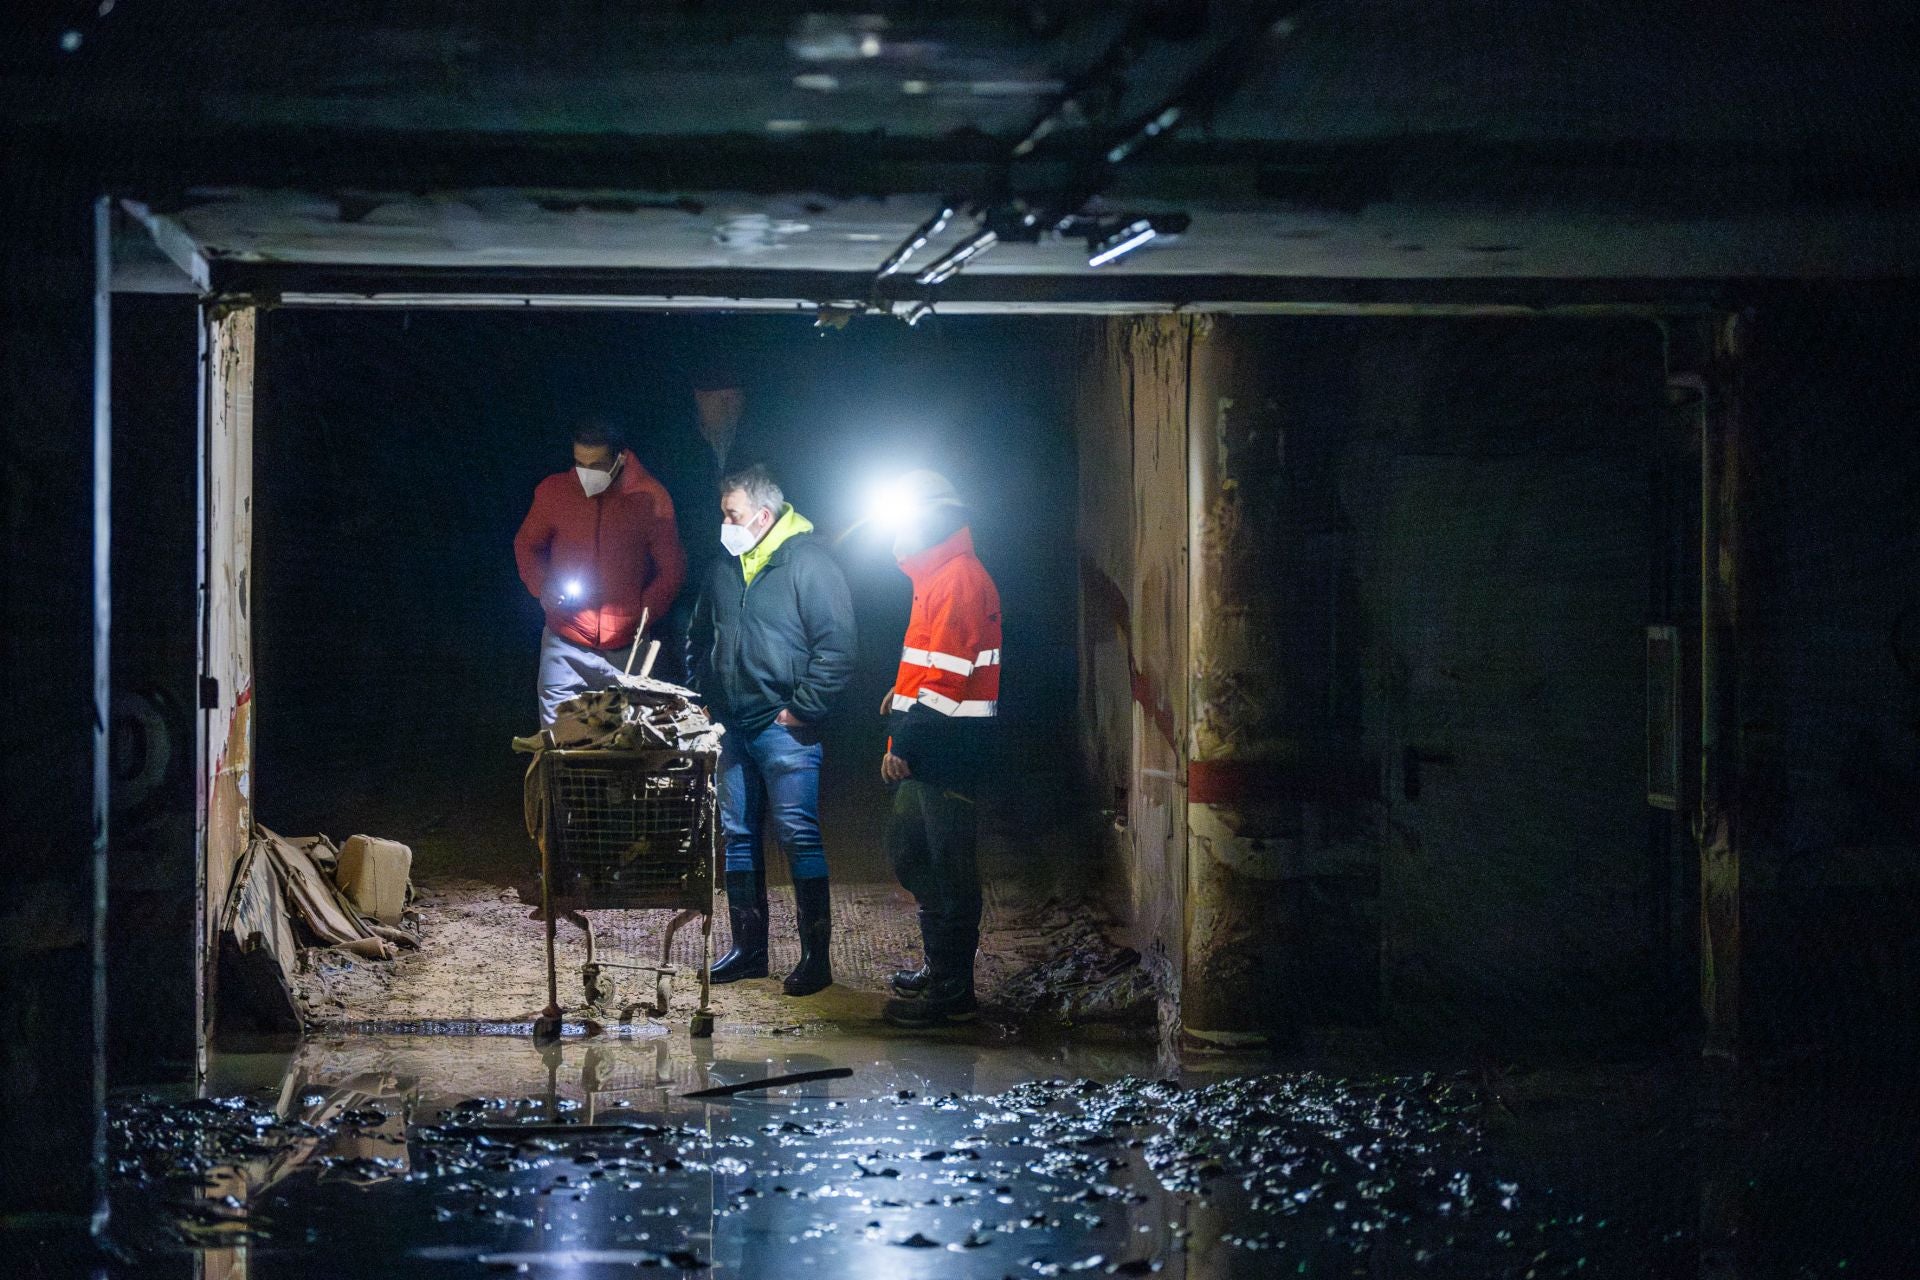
(892, 507)
(1123, 242)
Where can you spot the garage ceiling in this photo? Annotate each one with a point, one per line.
(791, 148)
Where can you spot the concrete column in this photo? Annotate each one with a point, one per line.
(1243, 826)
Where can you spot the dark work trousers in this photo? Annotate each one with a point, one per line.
(930, 843)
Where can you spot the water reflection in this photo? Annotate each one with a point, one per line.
(444, 1155)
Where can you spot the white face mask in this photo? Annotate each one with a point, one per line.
(594, 482)
(738, 539)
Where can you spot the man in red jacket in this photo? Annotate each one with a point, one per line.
(597, 549)
(940, 713)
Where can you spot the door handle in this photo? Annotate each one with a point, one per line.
(1410, 761)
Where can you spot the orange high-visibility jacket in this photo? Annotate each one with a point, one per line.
(950, 665)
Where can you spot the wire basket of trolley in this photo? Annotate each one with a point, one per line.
(621, 805)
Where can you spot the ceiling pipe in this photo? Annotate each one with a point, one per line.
(917, 241)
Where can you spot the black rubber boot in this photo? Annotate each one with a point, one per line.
(747, 913)
(911, 982)
(813, 906)
(946, 1000)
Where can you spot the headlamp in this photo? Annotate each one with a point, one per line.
(893, 506)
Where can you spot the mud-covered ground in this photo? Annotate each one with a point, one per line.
(1048, 952)
(482, 961)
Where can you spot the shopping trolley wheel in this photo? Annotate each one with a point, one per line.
(598, 984)
(703, 1025)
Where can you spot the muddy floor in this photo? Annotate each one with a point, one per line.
(984, 1154)
(482, 963)
(1049, 951)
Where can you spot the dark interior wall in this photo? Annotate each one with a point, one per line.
(1829, 692)
(396, 455)
(151, 852)
(47, 1101)
(1474, 523)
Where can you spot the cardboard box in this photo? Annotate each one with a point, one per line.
(375, 874)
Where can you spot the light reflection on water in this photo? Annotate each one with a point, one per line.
(371, 1155)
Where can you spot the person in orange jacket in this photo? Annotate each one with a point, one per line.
(599, 550)
(940, 711)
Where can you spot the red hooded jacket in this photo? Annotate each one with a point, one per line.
(622, 546)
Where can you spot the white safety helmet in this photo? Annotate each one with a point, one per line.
(925, 488)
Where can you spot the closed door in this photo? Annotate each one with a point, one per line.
(1514, 877)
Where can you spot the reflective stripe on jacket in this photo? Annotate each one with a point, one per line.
(950, 664)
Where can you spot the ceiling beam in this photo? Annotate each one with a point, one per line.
(722, 289)
(173, 245)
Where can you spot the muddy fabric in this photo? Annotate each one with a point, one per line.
(330, 919)
(634, 714)
(931, 836)
(568, 670)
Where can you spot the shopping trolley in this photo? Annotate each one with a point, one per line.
(626, 830)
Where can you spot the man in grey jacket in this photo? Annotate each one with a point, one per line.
(769, 649)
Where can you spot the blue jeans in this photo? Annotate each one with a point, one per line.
(568, 670)
(782, 766)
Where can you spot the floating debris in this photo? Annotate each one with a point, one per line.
(917, 1241)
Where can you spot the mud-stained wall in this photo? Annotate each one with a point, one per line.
(227, 627)
(1131, 420)
(1283, 876)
